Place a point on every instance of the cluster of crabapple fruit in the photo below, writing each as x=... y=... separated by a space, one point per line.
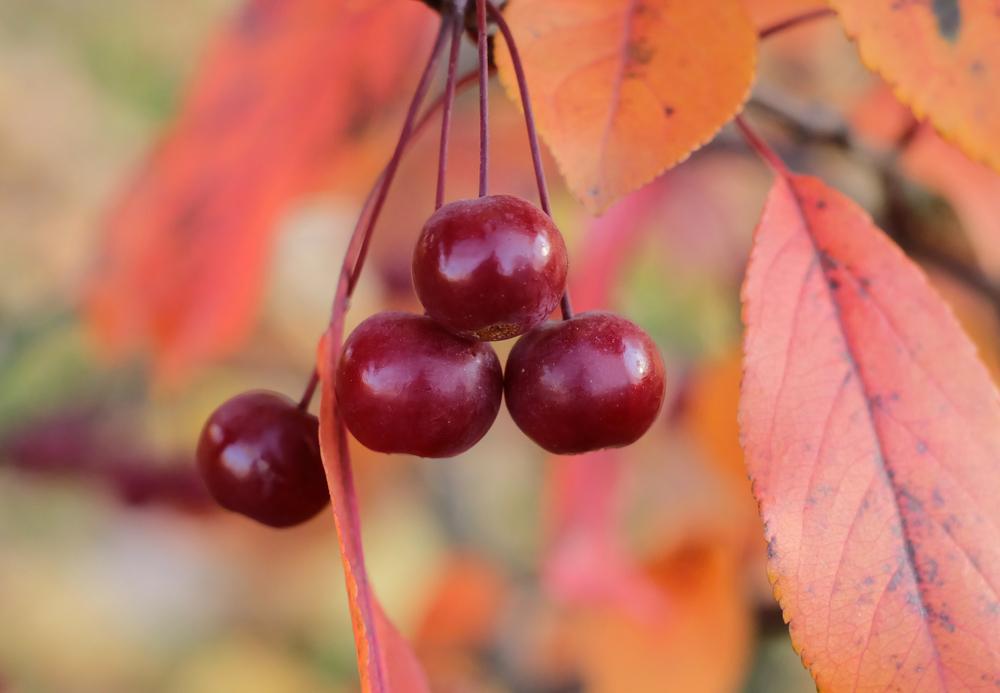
x=484 y=269
x=488 y=269
x=430 y=385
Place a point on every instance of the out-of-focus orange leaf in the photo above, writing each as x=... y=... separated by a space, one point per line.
x=463 y=606
x=972 y=189
x=386 y=663
x=766 y=13
x=700 y=643
x=872 y=435
x=942 y=58
x=279 y=92
x=623 y=90
x=459 y=622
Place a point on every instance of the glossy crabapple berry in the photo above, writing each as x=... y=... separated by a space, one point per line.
x=593 y=381
x=259 y=456
x=490 y=268
x=405 y=384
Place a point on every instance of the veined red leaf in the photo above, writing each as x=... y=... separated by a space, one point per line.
x=281 y=89
x=872 y=436
x=386 y=662
x=624 y=89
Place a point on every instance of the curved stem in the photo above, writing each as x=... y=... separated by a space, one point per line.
x=484 y=111
x=761 y=147
x=393 y=165
x=795 y=21
x=310 y=390
x=529 y=116
x=455 y=23
x=366 y=222
x=529 y=122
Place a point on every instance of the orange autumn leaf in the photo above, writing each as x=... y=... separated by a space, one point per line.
x=386 y=662
x=701 y=642
x=281 y=89
x=972 y=189
x=942 y=58
x=624 y=90
x=872 y=436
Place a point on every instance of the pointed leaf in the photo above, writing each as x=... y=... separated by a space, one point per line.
x=872 y=436
x=280 y=91
x=624 y=89
x=942 y=59
x=386 y=662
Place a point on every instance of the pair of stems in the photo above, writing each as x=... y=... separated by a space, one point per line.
x=452 y=24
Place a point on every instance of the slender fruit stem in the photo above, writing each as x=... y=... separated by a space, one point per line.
x=455 y=23
x=795 y=21
x=367 y=222
x=761 y=147
x=484 y=111
x=393 y=165
x=310 y=390
x=529 y=117
x=529 y=122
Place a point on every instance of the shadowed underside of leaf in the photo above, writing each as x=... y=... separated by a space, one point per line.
x=942 y=57
x=386 y=662
x=624 y=89
x=280 y=91
x=872 y=436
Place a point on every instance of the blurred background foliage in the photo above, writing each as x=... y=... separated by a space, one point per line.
x=116 y=574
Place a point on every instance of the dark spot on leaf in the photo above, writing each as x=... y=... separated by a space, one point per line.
x=977 y=68
x=875 y=401
x=820 y=204
x=594 y=191
x=772 y=549
x=668 y=111
x=639 y=52
x=868 y=581
x=894 y=581
x=936 y=498
x=949 y=18
x=833 y=283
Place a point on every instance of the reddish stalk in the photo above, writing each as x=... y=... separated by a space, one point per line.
x=795 y=21
x=390 y=170
x=366 y=224
x=761 y=147
x=455 y=23
x=529 y=123
x=484 y=111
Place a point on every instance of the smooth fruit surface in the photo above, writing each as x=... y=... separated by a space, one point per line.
x=490 y=268
x=405 y=384
x=259 y=456
x=594 y=381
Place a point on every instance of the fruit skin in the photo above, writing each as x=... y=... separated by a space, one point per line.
x=490 y=268
x=259 y=456
x=594 y=381
x=405 y=384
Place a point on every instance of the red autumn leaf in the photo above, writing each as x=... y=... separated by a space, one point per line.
x=942 y=58
x=623 y=90
x=386 y=662
x=872 y=436
x=281 y=89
